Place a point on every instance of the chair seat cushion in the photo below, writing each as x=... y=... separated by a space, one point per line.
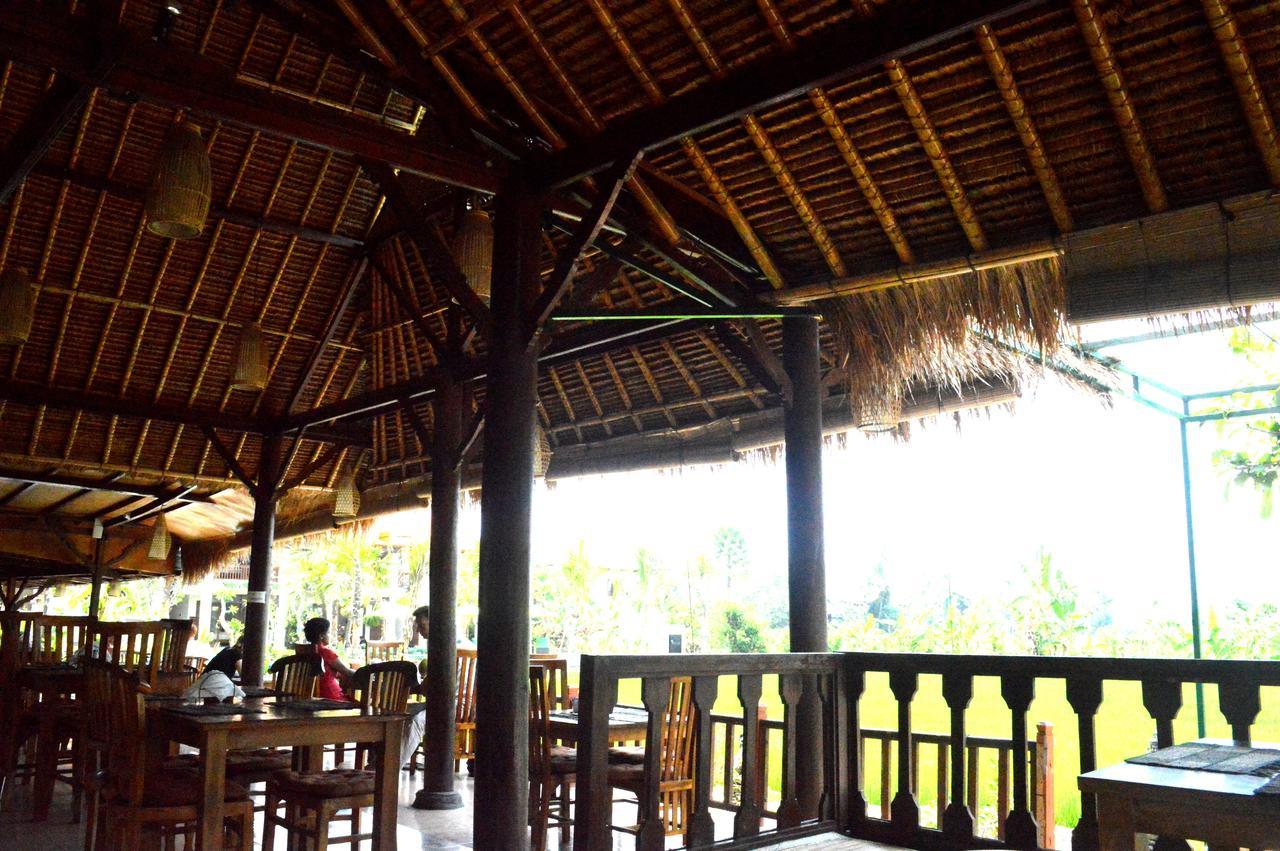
x=626 y=755
x=260 y=761
x=336 y=783
x=627 y=776
x=178 y=787
x=564 y=760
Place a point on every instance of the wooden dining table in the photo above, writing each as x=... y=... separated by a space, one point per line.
x=626 y=724
x=1219 y=809
x=53 y=685
x=268 y=722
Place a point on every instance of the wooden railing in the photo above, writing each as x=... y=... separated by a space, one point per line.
x=836 y=682
x=1161 y=681
x=807 y=683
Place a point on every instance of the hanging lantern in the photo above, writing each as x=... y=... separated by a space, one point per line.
x=879 y=414
x=541 y=452
x=251 y=359
x=159 y=550
x=17 y=306
x=178 y=197
x=473 y=249
x=347 y=505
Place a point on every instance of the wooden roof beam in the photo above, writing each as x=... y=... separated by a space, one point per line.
x=110 y=484
x=836 y=52
x=35 y=395
x=936 y=154
x=428 y=241
x=1257 y=111
x=1026 y=128
x=1126 y=117
x=36 y=36
x=65 y=100
x=354 y=280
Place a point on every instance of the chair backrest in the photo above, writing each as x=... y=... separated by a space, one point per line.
x=465 y=710
x=97 y=697
x=539 y=723
x=384 y=687
x=557 y=668
x=676 y=760
x=56 y=639
x=383 y=651
x=15 y=640
x=127 y=755
x=177 y=632
x=136 y=647
x=195 y=663
x=295 y=676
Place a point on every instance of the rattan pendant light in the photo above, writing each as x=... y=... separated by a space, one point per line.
x=541 y=452
x=347 y=504
x=473 y=249
x=178 y=197
x=251 y=359
x=159 y=550
x=879 y=414
x=17 y=306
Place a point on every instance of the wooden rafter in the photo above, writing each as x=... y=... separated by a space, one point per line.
x=401 y=295
x=836 y=52
x=342 y=305
x=936 y=154
x=1026 y=127
x=1126 y=117
x=39 y=37
x=1240 y=67
x=61 y=105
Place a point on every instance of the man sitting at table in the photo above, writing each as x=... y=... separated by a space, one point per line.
x=416 y=727
x=316 y=632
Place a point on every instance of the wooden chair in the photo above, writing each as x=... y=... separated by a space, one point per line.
x=383 y=651
x=164 y=802
x=557 y=668
x=95 y=733
x=552 y=768
x=675 y=762
x=313 y=800
x=15 y=637
x=136 y=647
x=295 y=676
x=56 y=639
x=464 y=714
x=195 y=663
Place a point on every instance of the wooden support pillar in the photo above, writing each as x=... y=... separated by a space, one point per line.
x=806 y=570
x=264 y=534
x=95 y=587
x=437 y=792
x=502 y=676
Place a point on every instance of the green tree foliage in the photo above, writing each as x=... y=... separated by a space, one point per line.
x=737 y=631
x=1252 y=456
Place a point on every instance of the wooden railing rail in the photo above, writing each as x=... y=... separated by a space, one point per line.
x=801 y=676
x=1161 y=680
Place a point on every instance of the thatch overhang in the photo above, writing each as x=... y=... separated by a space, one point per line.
x=965 y=177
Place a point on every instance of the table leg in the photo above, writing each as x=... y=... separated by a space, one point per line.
x=1115 y=823
x=46 y=761
x=213 y=774
x=386 y=789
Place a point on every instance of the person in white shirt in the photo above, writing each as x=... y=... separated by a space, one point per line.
x=416 y=728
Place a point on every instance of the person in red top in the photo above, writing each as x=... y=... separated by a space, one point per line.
x=316 y=631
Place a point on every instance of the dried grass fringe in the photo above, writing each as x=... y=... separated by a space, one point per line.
x=940 y=333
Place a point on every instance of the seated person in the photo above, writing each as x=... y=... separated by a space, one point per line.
x=316 y=632
x=227 y=660
x=417 y=724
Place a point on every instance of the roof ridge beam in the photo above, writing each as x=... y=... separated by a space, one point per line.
x=41 y=38
x=834 y=53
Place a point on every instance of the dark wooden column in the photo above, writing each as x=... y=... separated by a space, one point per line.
x=437 y=792
x=806 y=570
x=95 y=588
x=264 y=535
x=502 y=675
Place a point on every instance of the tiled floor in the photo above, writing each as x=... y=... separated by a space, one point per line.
x=418 y=830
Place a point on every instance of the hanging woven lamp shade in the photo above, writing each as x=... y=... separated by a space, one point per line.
x=17 y=306
x=541 y=452
x=347 y=505
x=159 y=550
x=251 y=359
x=878 y=414
x=178 y=197
x=473 y=249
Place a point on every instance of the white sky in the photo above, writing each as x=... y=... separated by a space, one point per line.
x=1100 y=488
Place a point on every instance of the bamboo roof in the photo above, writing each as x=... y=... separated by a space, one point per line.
x=1038 y=121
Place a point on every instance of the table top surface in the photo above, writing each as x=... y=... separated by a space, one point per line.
x=266 y=711
x=1128 y=777
x=621 y=717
